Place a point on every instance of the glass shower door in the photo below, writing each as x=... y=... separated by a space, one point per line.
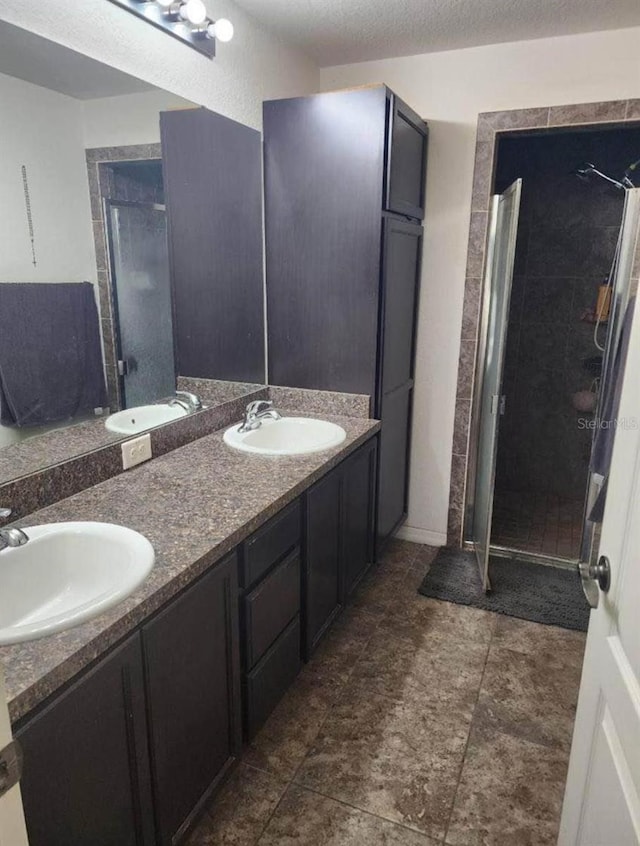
x=140 y=277
x=622 y=291
x=501 y=251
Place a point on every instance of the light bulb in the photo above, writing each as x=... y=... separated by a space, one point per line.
x=222 y=30
x=193 y=11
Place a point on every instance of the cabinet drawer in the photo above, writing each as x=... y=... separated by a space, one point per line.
x=268 y=681
x=270 y=607
x=269 y=544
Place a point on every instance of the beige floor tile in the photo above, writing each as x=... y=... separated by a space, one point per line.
x=239 y=813
x=443 y=668
x=416 y=618
x=528 y=696
x=510 y=793
x=377 y=589
x=282 y=743
x=396 y=759
x=400 y=555
x=304 y=818
x=335 y=658
x=551 y=643
x=422 y=563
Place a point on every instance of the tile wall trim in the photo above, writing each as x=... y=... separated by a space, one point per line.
x=490 y=126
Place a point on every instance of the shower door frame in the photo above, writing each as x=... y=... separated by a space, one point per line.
x=499 y=336
x=490 y=128
x=109 y=205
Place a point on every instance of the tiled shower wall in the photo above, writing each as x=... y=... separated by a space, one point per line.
x=566 y=242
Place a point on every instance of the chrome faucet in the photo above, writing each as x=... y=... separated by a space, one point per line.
x=190 y=402
x=11 y=537
x=256 y=412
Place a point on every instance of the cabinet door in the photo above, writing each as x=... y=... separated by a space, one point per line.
x=213 y=190
x=406 y=160
x=192 y=666
x=86 y=769
x=393 y=465
x=358 y=501
x=400 y=287
x=322 y=588
x=324 y=166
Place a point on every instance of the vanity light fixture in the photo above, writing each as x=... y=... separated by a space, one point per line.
x=184 y=19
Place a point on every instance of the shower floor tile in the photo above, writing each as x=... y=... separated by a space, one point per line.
x=538 y=523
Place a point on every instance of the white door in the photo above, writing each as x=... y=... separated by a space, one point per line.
x=602 y=799
x=12 y=827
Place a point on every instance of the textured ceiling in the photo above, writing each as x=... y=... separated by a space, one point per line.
x=337 y=32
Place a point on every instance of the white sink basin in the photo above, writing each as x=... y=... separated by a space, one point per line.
x=287 y=436
x=67 y=573
x=134 y=420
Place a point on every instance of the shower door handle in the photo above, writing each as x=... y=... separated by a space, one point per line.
x=498 y=404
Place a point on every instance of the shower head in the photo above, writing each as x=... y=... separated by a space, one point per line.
x=586 y=170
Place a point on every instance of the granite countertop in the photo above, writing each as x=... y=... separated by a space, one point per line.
x=194 y=504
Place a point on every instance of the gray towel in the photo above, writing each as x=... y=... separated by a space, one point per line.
x=50 y=354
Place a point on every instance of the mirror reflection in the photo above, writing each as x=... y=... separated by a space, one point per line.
x=88 y=321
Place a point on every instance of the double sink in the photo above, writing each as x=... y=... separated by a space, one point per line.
x=68 y=573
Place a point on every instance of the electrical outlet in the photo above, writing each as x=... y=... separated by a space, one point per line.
x=136 y=451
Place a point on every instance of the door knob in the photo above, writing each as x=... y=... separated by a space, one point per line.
x=594 y=576
x=601 y=573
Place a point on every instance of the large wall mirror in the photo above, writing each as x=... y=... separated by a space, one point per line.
x=130 y=255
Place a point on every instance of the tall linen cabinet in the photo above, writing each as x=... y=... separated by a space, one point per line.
x=344 y=199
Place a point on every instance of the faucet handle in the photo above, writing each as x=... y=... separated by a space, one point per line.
x=258 y=406
x=4 y=513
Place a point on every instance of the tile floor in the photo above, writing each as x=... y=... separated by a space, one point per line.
x=416 y=723
x=537 y=522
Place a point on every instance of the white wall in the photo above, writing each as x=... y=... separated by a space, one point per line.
x=450 y=89
x=253 y=67
x=127 y=119
x=43 y=130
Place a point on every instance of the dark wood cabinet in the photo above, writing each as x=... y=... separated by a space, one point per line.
x=86 y=766
x=270 y=614
x=213 y=187
x=129 y=753
x=339 y=540
x=358 y=515
x=344 y=193
x=394 y=460
x=193 y=685
x=323 y=524
x=406 y=161
x=401 y=273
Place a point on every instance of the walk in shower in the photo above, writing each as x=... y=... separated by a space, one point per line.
x=563 y=226
x=136 y=226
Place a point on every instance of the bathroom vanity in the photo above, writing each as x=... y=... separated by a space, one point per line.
x=130 y=722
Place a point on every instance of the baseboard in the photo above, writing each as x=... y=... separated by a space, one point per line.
x=410 y=533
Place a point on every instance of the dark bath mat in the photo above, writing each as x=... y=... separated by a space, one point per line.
x=535 y=592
